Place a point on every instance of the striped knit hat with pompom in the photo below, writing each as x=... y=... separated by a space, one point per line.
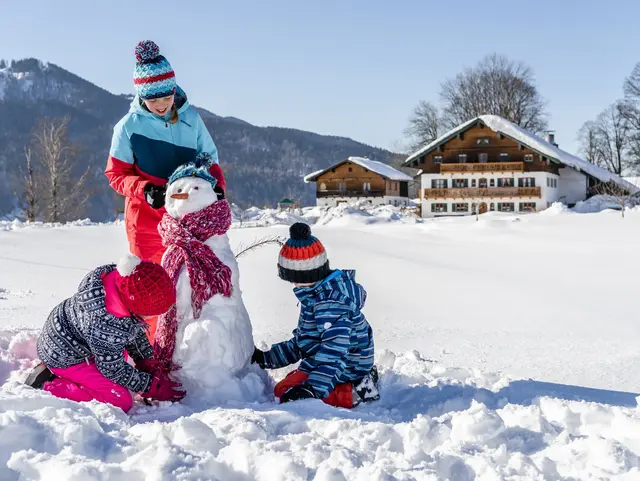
x=303 y=259
x=152 y=75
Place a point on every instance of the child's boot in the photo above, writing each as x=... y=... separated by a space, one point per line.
x=366 y=390
x=38 y=376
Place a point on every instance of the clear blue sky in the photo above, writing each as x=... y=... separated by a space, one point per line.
x=352 y=67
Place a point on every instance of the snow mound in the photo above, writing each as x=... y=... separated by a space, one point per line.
x=356 y=213
x=433 y=422
x=595 y=204
x=17 y=351
x=362 y=213
x=557 y=208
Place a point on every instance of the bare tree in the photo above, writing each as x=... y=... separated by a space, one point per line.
x=474 y=196
x=630 y=109
x=616 y=195
x=425 y=125
x=589 y=143
x=64 y=186
x=497 y=86
x=29 y=198
x=632 y=84
x=613 y=139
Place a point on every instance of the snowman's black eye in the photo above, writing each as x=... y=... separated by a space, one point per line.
x=179 y=190
x=196 y=188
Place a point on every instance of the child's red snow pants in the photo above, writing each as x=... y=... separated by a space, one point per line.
x=341 y=396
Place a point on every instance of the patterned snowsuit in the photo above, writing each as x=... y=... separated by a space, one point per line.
x=333 y=338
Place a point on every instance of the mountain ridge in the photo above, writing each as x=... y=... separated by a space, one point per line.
x=262 y=164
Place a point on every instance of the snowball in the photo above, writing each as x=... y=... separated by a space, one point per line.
x=478 y=425
x=127 y=264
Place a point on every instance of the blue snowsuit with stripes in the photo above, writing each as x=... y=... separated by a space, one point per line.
x=333 y=339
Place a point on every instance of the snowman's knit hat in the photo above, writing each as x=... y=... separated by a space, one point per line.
x=198 y=168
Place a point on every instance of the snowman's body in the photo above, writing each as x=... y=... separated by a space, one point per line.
x=214 y=350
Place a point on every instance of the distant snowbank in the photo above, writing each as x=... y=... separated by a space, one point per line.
x=8 y=225
x=359 y=213
x=347 y=214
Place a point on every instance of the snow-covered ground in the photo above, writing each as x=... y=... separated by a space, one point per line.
x=507 y=347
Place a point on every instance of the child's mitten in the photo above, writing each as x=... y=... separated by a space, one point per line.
x=258 y=358
x=154 y=195
x=164 y=389
x=150 y=366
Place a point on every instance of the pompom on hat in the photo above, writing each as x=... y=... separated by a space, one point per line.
x=145 y=287
x=303 y=259
x=153 y=76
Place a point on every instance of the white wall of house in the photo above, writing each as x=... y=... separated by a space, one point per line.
x=550 y=190
x=573 y=186
x=386 y=200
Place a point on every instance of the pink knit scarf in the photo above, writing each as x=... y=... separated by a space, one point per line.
x=208 y=276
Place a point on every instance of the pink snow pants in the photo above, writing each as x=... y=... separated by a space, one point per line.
x=83 y=382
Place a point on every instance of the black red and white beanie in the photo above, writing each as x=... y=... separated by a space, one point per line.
x=303 y=259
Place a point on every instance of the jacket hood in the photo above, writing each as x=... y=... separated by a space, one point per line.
x=91 y=296
x=338 y=280
x=180 y=99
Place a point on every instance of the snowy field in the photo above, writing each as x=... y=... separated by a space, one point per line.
x=508 y=350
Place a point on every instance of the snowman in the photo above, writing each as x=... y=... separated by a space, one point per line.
x=206 y=339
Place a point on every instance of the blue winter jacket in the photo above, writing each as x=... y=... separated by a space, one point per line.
x=158 y=146
x=333 y=338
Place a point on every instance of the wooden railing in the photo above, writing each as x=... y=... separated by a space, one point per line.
x=478 y=193
x=485 y=167
x=349 y=193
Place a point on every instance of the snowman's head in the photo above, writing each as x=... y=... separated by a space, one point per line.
x=190 y=188
x=187 y=195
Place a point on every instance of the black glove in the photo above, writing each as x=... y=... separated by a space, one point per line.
x=154 y=194
x=258 y=358
x=218 y=190
x=295 y=393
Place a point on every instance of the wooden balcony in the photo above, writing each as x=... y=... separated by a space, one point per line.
x=484 y=167
x=476 y=193
x=349 y=193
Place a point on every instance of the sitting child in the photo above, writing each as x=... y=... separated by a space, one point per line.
x=82 y=345
x=333 y=339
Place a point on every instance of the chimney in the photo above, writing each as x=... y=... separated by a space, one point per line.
x=551 y=137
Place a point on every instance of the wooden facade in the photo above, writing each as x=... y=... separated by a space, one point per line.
x=480 y=149
x=496 y=192
x=348 y=179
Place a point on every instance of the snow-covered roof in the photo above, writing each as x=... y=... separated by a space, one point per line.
x=313 y=175
x=384 y=170
x=532 y=141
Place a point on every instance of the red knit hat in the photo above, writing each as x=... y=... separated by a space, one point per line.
x=145 y=287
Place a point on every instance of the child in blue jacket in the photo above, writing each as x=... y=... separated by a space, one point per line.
x=333 y=340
